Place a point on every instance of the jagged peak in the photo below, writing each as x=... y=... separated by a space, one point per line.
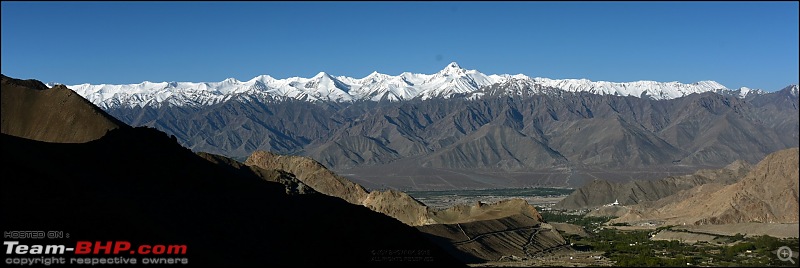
x=230 y=80
x=791 y=89
x=453 y=65
x=452 y=68
x=710 y=83
x=321 y=75
x=375 y=75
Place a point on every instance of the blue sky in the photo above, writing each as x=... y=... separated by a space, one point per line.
x=751 y=44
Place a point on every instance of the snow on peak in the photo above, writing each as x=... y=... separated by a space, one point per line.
x=744 y=92
x=791 y=89
x=707 y=84
x=451 y=81
x=321 y=75
x=374 y=76
x=452 y=69
x=262 y=79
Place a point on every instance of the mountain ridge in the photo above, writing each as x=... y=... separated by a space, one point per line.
x=599 y=193
x=31 y=109
x=451 y=81
x=767 y=193
x=567 y=134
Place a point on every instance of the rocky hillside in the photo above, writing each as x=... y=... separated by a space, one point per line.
x=515 y=236
x=601 y=192
x=481 y=211
x=290 y=182
x=569 y=132
x=396 y=204
x=31 y=110
x=312 y=174
x=767 y=194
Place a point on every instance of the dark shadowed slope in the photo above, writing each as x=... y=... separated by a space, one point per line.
x=139 y=185
x=31 y=110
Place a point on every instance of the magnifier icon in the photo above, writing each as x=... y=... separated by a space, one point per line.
x=785 y=254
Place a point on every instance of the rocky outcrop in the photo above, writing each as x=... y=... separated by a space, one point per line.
x=396 y=204
x=312 y=173
x=292 y=185
x=400 y=206
x=31 y=110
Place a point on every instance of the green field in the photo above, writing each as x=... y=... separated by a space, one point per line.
x=635 y=248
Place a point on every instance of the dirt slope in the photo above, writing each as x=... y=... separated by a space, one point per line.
x=601 y=192
x=767 y=194
x=33 y=111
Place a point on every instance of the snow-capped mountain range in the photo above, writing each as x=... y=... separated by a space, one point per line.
x=446 y=83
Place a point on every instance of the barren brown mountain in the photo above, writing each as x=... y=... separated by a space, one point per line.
x=601 y=192
x=767 y=194
x=32 y=110
x=495 y=141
